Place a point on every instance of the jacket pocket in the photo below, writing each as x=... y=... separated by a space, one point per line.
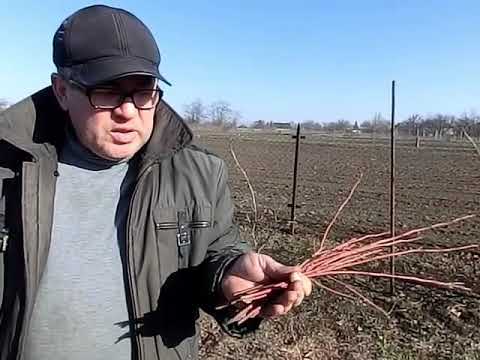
x=183 y=228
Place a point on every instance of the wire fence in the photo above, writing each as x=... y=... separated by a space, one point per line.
x=435 y=182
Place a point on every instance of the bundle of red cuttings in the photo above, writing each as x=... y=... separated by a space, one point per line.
x=341 y=260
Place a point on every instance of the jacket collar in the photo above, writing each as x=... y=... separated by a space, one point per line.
x=39 y=121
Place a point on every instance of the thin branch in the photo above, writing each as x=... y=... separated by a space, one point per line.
x=252 y=192
x=333 y=291
x=325 y=234
x=451 y=285
x=472 y=141
x=359 y=294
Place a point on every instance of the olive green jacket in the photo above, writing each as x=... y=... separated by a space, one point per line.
x=180 y=235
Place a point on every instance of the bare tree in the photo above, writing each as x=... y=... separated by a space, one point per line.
x=412 y=124
x=259 y=124
x=440 y=123
x=195 y=112
x=221 y=114
x=412 y=127
x=342 y=124
x=233 y=121
x=380 y=124
x=376 y=125
x=469 y=122
x=366 y=126
x=339 y=125
x=311 y=125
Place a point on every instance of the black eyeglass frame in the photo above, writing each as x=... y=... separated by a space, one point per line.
x=88 y=92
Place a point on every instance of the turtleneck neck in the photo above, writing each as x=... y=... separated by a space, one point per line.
x=74 y=153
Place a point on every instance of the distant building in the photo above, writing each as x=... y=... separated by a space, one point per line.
x=281 y=125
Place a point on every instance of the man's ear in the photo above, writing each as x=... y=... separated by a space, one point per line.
x=60 y=89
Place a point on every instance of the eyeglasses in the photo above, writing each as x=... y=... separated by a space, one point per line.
x=108 y=98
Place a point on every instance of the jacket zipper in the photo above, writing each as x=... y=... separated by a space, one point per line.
x=171 y=225
x=131 y=284
x=199 y=224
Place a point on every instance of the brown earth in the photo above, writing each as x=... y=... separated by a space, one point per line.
x=438 y=182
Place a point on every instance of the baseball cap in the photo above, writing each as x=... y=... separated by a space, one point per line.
x=99 y=43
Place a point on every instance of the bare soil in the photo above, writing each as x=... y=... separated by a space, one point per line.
x=438 y=182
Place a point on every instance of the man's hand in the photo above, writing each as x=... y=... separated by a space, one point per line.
x=251 y=269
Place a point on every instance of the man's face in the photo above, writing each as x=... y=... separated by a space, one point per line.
x=117 y=133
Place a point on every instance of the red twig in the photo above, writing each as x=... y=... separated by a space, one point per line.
x=450 y=285
x=325 y=234
x=360 y=295
x=343 y=259
x=333 y=291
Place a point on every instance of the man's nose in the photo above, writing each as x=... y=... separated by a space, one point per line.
x=127 y=109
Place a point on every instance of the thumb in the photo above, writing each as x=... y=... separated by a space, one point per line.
x=275 y=270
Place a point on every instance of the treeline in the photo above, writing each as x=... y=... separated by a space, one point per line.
x=437 y=125
x=219 y=113
x=441 y=125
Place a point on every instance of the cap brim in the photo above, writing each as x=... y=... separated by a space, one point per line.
x=112 y=68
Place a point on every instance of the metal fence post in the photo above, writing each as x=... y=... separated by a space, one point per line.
x=392 y=190
x=294 y=205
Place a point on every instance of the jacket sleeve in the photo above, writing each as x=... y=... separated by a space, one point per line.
x=226 y=246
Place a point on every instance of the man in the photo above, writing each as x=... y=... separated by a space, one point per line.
x=117 y=229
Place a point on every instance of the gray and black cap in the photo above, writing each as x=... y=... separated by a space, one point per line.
x=99 y=43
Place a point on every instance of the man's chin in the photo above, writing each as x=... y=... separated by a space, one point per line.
x=120 y=152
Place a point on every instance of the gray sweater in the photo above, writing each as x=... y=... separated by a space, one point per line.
x=81 y=298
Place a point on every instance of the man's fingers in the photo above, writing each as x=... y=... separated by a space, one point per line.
x=307 y=284
x=252 y=268
x=302 y=284
x=282 y=303
x=275 y=270
x=289 y=300
x=272 y=310
x=297 y=287
x=300 y=297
